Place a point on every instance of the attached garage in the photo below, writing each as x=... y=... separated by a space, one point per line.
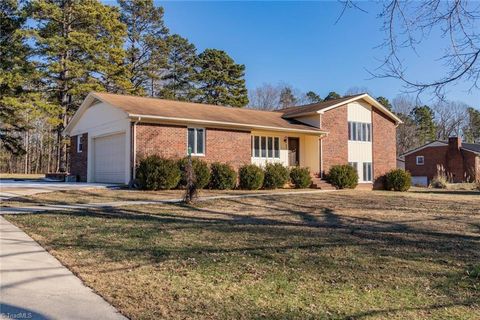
x=109 y=158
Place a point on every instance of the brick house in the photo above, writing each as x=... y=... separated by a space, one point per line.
x=459 y=161
x=110 y=133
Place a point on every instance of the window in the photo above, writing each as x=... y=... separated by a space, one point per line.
x=79 y=143
x=420 y=160
x=256 y=146
x=367 y=171
x=276 y=147
x=354 y=165
x=266 y=147
x=196 y=141
x=359 y=131
x=270 y=147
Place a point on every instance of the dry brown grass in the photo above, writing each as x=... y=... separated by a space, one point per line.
x=342 y=255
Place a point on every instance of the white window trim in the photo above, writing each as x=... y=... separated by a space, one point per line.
x=360 y=135
x=79 y=142
x=266 y=143
x=417 y=162
x=195 y=141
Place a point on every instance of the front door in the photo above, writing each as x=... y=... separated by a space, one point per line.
x=293 y=151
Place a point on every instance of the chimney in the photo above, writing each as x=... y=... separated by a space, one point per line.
x=454 y=143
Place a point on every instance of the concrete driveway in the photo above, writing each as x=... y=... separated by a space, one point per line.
x=15 y=188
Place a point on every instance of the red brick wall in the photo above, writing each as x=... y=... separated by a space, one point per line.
x=164 y=140
x=471 y=165
x=384 y=145
x=221 y=145
x=78 y=160
x=335 y=145
x=461 y=165
x=433 y=156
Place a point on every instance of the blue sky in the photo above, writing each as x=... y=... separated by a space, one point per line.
x=300 y=44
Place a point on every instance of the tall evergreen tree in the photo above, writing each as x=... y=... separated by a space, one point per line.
x=312 y=97
x=178 y=76
x=287 y=98
x=80 y=44
x=220 y=80
x=384 y=102
x=20 y=104
x=423 y=116
x=472 y=130
x=332 y=95
x=14 y=72
x=146 y=42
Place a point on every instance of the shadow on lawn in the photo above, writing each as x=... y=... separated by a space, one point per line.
x=128 y=234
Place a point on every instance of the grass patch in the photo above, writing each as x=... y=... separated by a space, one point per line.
x=342 y=255
x=21 y=176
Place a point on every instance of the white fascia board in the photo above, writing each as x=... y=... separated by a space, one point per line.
x=225 y=124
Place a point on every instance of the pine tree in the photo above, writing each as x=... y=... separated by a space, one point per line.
x=384 y=102
x=14 y=70
x=80 y=45
x=423 y=117
x=178 y=76
x=146 y=42
x=312 y=97
x=287 y=98
x=220 y=80
x=332 y=95
x=472 y=129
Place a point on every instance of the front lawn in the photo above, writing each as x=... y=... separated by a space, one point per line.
x=341 y=255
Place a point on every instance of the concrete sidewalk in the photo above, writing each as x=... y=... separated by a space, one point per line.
x=34 y=285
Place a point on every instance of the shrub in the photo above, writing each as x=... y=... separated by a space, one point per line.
x=156 y=173
x=439 y=182
x=276 y=175
x=300 y=177
x=398 y=180
x=222 y=176
x=343 y=177
x=202 y=172
x=251 y=177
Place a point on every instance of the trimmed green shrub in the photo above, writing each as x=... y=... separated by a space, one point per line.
x=222 y=176
x=343 y=177
x=300 y=177
x=156 y=173
x=398 y=180
x=202 y=172
x=276 y=175
x=250 y=177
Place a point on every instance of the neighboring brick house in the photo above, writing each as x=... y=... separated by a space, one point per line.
x=117 y=130
x=459 y=162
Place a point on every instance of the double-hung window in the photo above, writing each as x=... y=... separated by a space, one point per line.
x=79 y=143
x=420 y=160
x=359 y=131
x=196 y=141
x=265 y=147
x=367 y=171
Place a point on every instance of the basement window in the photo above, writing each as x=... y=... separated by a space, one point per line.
x=79 y=143
x=420 y=160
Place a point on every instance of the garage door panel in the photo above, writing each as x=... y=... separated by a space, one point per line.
x=109 y=163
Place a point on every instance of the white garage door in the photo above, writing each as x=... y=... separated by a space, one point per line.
x=109 y=163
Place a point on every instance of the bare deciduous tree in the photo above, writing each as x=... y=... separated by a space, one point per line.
x=408 y=24
x=265 y=97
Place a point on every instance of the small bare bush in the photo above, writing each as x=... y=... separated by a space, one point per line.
x=441 y=178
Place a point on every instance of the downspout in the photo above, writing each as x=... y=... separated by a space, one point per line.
x=134 y=146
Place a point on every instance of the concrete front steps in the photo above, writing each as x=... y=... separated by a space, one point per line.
x=318 y=183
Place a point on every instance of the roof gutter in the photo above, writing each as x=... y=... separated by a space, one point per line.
x=227 y=124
